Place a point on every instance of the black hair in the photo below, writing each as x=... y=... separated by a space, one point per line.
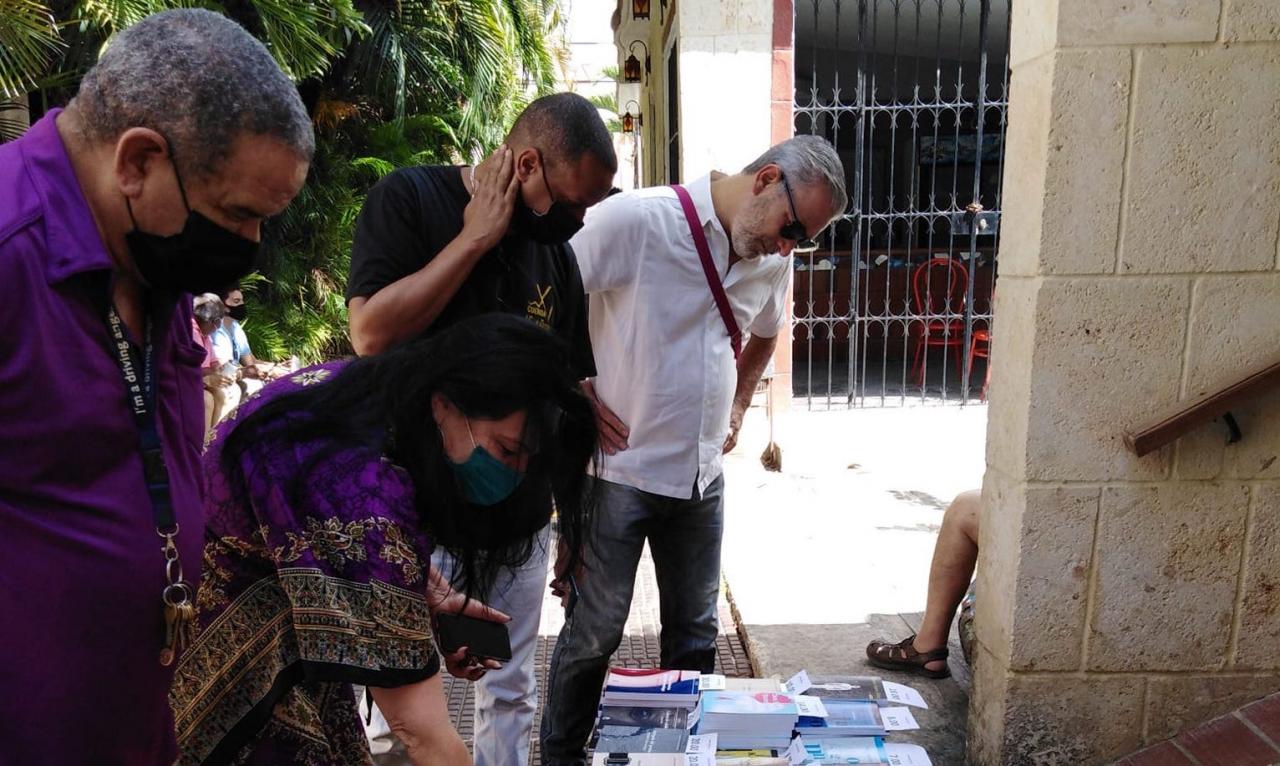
x=489 y=367
x=566 y=126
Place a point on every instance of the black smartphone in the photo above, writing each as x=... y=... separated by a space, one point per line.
x=482 y=638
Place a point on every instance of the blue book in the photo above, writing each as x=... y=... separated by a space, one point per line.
x=845 y=718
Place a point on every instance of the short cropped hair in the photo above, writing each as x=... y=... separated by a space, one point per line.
x=566 y=126
x=200 y=80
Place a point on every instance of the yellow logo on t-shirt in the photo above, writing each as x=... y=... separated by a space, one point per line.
x=541 y=311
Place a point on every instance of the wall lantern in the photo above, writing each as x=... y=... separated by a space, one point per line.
x=631 y=68
x=639 y=9
x=629 y=121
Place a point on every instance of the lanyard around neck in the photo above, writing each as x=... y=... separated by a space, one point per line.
x=177 y=597
x=140 y=384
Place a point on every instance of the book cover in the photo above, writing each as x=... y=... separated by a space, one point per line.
x=846 y=750
x=648 y=717
x=646 y=681
x=865 y=751
x=640 y=739
x=864 y=688
x=748 y=704
x=845 y=716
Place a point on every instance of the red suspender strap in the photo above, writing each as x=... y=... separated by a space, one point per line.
x=709 y=268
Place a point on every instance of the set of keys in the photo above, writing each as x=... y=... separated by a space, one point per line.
x=179 y=606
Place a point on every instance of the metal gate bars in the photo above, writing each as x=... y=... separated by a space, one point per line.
x=895 y=307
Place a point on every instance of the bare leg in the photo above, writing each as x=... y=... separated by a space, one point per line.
x=211 y=408
x=954 y=556
x=418 y=715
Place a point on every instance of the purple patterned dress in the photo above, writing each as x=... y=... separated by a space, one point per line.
x=301 y=597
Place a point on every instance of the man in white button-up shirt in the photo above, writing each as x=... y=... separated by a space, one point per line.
x=665 y=365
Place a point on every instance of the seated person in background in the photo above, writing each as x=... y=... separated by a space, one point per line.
x=232 y=347
x=209 y=313
x=954 y=556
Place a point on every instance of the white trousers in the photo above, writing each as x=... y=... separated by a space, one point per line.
x=505 y=699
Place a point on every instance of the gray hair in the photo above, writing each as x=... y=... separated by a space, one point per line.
x=199 y=79
x=208 y=307
x=806 y=161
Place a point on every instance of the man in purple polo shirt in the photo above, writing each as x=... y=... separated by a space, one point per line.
x=152 y=184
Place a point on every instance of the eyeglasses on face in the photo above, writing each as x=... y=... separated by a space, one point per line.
x=794 y=230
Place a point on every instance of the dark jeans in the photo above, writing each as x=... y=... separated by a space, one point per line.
x=684 y=538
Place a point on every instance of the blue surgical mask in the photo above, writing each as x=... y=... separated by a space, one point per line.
x=484 y=479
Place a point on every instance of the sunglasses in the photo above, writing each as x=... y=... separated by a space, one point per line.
x=794 y=230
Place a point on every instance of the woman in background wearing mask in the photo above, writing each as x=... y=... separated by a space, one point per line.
x=325 y=496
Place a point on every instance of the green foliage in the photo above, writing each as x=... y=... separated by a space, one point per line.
x=305 y=37
x=29 y=44
x=608 y=102
x=299 y=306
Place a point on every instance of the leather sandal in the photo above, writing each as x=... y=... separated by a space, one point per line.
x=903 y=656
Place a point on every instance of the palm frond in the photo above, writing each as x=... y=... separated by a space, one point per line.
x=111 y=16
x=305 y=37
x=379 y=166
x=29 y=44
x=15 y=118
x=606 y=101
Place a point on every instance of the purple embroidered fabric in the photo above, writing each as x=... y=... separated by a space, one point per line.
x=308 y=587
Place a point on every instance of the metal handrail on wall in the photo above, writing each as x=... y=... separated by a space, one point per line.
x=1190 y=415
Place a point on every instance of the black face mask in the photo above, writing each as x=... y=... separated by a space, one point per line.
x=202 y=258
x=238 y=313
x=554 y=227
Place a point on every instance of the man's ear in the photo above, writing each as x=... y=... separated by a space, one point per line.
x=138 y=152
x=526 y=163
x=765 y=177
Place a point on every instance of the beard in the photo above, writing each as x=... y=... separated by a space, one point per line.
x=748 y=240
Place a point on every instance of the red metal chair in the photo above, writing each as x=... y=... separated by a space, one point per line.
x=981 y=346
x=938 y=330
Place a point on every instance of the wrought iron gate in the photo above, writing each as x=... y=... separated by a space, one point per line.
x=896 y=306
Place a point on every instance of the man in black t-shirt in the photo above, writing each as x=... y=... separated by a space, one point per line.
x=437 y=244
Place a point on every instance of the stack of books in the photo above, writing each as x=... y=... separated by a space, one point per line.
x=745 y=720
x=641 y=730
x=668 y=717
x=632 y=687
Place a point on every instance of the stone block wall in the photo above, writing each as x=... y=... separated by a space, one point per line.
x=1123 y=599
x=726 y=66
